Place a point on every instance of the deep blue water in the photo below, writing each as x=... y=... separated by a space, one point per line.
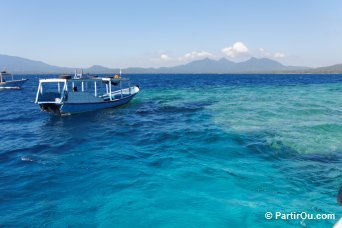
x=188 y=151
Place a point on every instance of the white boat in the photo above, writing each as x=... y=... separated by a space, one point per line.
x=66 y=95
x=7 y=81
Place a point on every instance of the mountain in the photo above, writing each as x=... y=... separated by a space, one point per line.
x=97 y=68
x=263 y=64
x=204 y=66
x=21 y=65
x=221 y=66
x=253 y=65
x=334 y=69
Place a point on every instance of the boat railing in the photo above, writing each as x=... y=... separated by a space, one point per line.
x=47 y=96
x=4 y=74
x=121 y=93
x=67 y=90
x=79 y=97
x=52 y=97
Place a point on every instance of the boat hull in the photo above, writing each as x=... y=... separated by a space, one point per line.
x=65 y=102
x=72 y=108
x=15 y=84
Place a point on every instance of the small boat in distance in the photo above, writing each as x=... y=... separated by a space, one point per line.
x=66 y=95
x=7 y=81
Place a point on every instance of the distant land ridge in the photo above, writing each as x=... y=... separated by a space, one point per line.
x=20 y=65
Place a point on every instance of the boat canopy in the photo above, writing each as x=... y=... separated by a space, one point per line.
x=93 y=79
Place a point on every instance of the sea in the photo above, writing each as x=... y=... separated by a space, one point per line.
x=187 y=151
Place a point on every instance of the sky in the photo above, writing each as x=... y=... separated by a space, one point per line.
x=154 y=33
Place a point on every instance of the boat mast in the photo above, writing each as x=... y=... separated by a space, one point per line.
x=39 y=91
x=121 y=87
x=120 y=84
x=110 y=89
x=95 y=88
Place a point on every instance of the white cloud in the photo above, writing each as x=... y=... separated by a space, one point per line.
x=164 y=57
x=238 y=49
x=279 y=55
x=264 y=53
x=195 y=55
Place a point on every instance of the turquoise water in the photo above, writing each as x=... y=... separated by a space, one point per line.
x=188 y=151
